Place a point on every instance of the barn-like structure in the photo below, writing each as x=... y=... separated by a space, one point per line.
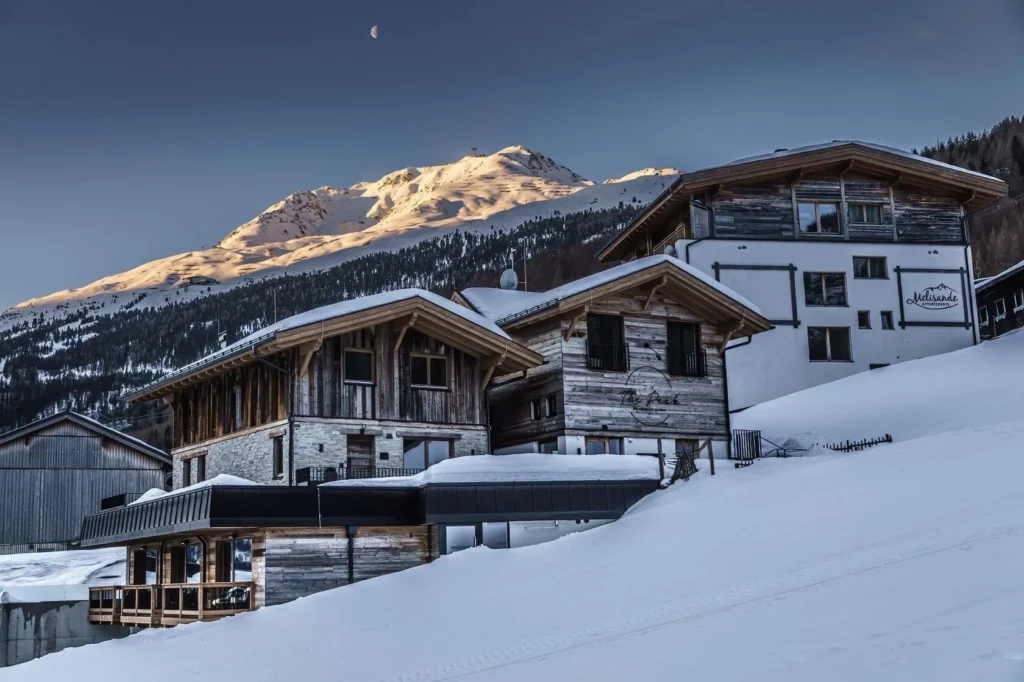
x=56 y=471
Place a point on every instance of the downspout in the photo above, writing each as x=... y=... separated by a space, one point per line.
x=291 y=411
x=725 y=378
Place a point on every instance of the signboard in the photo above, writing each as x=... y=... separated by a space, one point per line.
x=647 y=394
x=932 y=297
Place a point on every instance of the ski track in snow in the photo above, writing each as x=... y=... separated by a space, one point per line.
x=703 y=604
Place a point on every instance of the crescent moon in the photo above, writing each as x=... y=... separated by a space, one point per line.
x=373 y=32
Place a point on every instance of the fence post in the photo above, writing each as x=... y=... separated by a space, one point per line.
x=711 y=456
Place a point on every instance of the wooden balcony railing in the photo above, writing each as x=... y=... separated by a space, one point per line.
x=155 y=605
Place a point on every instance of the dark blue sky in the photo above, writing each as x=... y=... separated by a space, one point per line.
x=133 y=130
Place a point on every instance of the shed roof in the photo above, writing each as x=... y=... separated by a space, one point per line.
x=92 y=425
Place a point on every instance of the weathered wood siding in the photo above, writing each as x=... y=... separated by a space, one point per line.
x=767 y=211
x=598 y=399
x=299 y=563
x=512 y=420
x=52 y=479
x=242 y=399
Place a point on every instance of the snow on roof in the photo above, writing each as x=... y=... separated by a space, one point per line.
x=504 y=306
x=51 y=569
x=328 y=312
x=523 y=468
x=220 y=479
x=870 y=145
x=985 y=282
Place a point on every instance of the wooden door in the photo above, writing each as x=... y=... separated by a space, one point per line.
x=360 y=452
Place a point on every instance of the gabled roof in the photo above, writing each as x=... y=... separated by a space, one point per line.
x=429 y=313
x=681 y=281
x=978 y=190
x=92 y=425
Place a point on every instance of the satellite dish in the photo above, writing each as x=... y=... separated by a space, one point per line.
x=509 y=280
x=670 y=250
x=373 y=32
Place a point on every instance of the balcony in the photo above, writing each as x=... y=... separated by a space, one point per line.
x=609 y=357
x=166 y=605
x=689 y=364
x=316 y=475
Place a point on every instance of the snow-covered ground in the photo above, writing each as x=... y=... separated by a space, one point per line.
x=317 y=229
x=33 y=577
x=973 y=387
x=901 y=562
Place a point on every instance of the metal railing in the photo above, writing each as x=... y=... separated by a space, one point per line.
x=611 y=357
x=318 y=475
x=691 y=364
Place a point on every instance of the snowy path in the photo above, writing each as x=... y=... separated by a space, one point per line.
x=899 y=563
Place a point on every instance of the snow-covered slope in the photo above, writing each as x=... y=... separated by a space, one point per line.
x=312 y=230
x=896 y=563
x=969 y=388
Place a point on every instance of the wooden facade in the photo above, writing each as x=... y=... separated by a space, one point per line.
x=912 y=200
x=642 y=400
x=1001 y=302
x=279 y=565
x=72 y=459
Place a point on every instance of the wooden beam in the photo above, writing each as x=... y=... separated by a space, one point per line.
x=401 y=334
x=895 y=181
x=572 y=325
x=307 y=350
x=488 y=373
x=654 y=290
x=732 y=332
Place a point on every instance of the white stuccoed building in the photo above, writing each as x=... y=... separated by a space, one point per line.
x=859 y=254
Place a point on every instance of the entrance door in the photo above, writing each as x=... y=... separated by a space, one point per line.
x=360 y=455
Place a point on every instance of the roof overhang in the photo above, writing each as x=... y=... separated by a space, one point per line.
x=498 y=351
x=975 y=191
x=231 y=507
x=672 y=282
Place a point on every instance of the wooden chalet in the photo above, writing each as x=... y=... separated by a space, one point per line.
x=633 y=361
x=1001 y=302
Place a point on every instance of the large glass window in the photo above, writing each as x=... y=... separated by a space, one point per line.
x=829 y=344
x=193 y=563
x=358 y=366
x=825 y=288
x=604 y=446
x=429 y=370
x=819 y=218
x=420 y=454
x=242 y=563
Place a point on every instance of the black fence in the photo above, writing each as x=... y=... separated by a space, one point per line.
x=746 y=445
x=611 y=357
x=121 y=500
x=854 y=445
x=318 y=475
x=692 y=364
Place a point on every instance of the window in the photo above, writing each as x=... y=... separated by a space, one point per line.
x=1018 y=300
x=864 y=319
x=548 y=447
x=685 y=356
x=983 y=316
x=186 y=473
x=877 y=365
x=429 y=371
x=819 y=218
x=825 y=288
x=866 y=214
x=535 y=412
x=606 y=343
x=144 y=563
x=870 y=267
x=552 y=405
x=234 y=560
x=1000 y=309
x=420 y=454
x=887 y=320
x=604 y=446
x=829 y=344
x=200 y=468
x=193 y=563
x=278 y=442
x=358 y=366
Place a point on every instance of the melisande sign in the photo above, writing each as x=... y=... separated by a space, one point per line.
x=938 y=297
